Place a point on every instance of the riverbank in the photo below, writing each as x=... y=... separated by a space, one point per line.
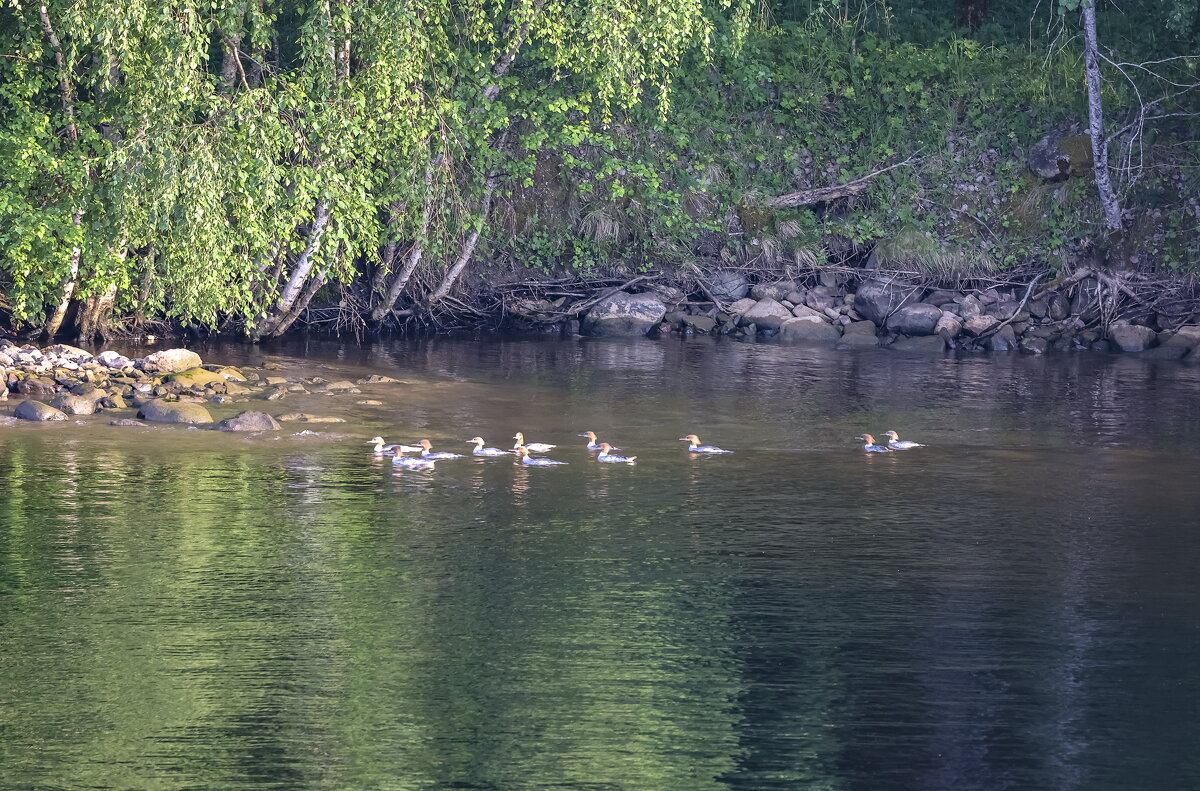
x=172 y=386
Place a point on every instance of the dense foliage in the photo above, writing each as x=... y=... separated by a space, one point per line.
x=226 y=164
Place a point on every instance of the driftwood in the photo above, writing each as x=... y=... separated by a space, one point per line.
x=795 y=200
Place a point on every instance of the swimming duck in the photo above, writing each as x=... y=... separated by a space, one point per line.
x=871 y=447
x=426 y=453
x=523 y=455
x=895 y=443
x=593 y=444
x=534 y=447
x=695 y=446
x=613 y=458
x=482 y=451
x=381 y=448
x=411 y=463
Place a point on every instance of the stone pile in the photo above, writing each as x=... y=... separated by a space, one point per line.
x=170 y=386
x=880 y=312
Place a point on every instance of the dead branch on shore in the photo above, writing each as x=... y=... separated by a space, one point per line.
x=794 y=200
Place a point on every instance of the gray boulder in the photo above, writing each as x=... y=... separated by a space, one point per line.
x=1059 y=154
x=37 y=411
x=858 y=334
x=1033 y=345
x=767 y=313
x=1004 y=340
x=948 y=326
x=1132 y=337
x=172 y=361
x=774 y=291
x=74 y=404
x=623 y=315
x=978 y=324
x=916 y=319
x=878 y=299
x=700 y=323
x=159 y=411
x=248 y=421
x=111 y=359
x=811 y=331
x=127 y=421
x=729 y=286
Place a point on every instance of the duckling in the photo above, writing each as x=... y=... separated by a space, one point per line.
x=523 y=455
x=592 y=443
x=482 y=451
x=695 y=447
x=613 y=458
x=534 y=447
x=426 y=453
x=895 y=443
x=397 y=449
x=871 y=447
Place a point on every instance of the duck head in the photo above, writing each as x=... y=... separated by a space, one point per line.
x=604 y=446
x=475 y=441
x=590 y=435
x=867 y=438
x=893 y=436
x=376 y=440
x=521 y=451
x=426 y=444
x=692 y=438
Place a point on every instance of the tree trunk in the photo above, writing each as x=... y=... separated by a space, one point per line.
x=95 y=316
x=381 y=311
x=68 y=286
x=67 y=95
x=468 y=248
x=300 y=271
x=1091 y=61
x=147 y=283
x=289 y=318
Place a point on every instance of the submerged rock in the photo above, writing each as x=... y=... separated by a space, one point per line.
x=37 y=411
x=74 y=404
x=127 y=421
x=159 y=411
x=858 y=334
x=1132 y=337
x=809 y=330
x=922 y=344
x=623 y=315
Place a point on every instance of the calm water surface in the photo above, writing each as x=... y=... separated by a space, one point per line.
x=1014 y=607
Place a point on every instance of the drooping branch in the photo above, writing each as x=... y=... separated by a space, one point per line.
x=500 y=69
x=468 y=248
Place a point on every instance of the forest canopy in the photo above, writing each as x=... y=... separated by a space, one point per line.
x=233 y=164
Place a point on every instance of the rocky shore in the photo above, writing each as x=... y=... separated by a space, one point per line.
x=170 y=386
x=846 y=312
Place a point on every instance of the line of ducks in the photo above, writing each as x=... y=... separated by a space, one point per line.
x=521 y=449
x=894 y=443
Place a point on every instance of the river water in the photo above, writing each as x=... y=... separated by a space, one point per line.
x=1013 y=607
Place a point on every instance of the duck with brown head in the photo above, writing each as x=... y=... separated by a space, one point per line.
x=870 y=446
x=895 y=443
x=695 y=447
